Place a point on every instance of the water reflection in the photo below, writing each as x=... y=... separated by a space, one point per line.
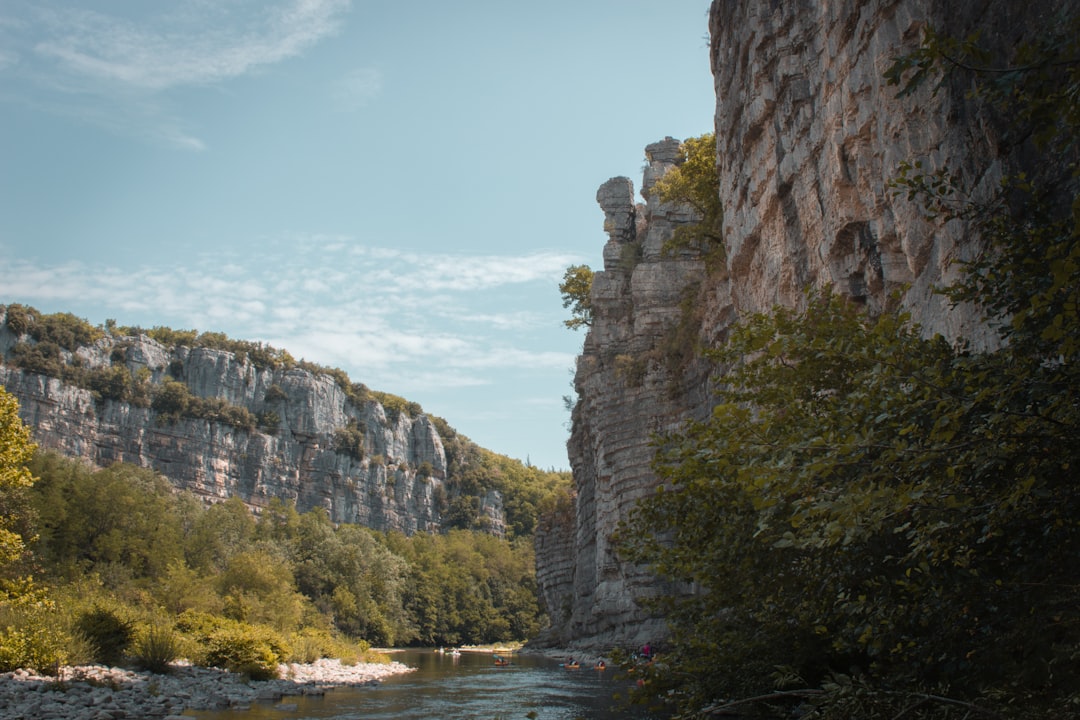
x=465 y=686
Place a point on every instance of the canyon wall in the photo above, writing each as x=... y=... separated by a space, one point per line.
x=396 y=481
x=809 y=135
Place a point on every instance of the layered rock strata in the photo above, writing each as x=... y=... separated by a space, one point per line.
x=631 y=382
x=396 y=481
x=810 y=134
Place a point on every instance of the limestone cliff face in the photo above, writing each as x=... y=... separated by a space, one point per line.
x=808 y=136
x=632 y=382
x=295 y=460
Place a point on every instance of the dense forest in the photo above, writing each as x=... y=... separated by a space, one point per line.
x=117 y=563
x=876 y=523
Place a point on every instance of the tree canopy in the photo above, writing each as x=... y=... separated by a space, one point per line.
x=576 y=289
x=16 y=449
x=696 y=183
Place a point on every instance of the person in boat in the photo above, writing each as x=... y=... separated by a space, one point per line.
x=601 y=665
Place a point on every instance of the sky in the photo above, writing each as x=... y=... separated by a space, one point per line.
x=389 y=187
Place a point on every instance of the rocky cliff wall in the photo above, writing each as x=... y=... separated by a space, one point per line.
x=296 y=460
x=808 y=136
x=632 y=381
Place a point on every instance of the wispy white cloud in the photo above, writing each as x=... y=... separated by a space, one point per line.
x=370 y=309
x=182 y=46
x=117 y=72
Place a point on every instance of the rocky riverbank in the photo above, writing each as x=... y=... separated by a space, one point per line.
x=95 y=692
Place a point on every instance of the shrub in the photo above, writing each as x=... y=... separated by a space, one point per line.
x=274 y=393
x=66 y=330
x=349 y=440
x=109 y=634
x=156 y=646
x=20 y=318
x=253 y=650
x=248 y=649
x=31 y=638
x=269 y=421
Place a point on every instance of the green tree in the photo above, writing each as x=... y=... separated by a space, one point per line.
x=120 y=521
x=696 y=183
x=576 y=289
x=16 y=450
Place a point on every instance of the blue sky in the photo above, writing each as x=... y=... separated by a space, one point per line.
x=389 y=187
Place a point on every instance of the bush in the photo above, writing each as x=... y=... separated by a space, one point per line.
x=157 y=646
x=20 y=318
x=248 y=649
x=253 y=650
x=109 y=634
x=31 y=638
x=349 y=440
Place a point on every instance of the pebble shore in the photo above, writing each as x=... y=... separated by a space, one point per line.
x=96 y=692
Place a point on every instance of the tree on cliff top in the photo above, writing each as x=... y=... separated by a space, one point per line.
x=696 y=183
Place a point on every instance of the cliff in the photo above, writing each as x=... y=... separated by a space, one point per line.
x=808 y=136
x=394 y=476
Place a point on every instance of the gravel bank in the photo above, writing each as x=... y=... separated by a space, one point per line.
x=95 y=692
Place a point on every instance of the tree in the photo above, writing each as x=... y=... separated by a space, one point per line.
x=696 y=183
x=576 y=289
x=16 y=449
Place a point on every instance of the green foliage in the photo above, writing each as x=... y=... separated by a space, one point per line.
x=120 y=539
x=156 y=646
x=46 y=358
x=258 y=587
x=173 y=401
x=576 y=290
x=16 y=450
x=65 y=330
x=109 y=633
x=31 y=635
x=396 y=406
x=473 y=471
x=881 y=485
x=19 y=318
x=467 y=587
x=695 y=182
x=349 y=440
x=239 y=647
x=275 y=394
x=310 y=644
x=121 y=517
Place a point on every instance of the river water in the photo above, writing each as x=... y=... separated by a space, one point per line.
x=468 y=686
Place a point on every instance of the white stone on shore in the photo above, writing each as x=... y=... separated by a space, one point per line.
x=95 y=692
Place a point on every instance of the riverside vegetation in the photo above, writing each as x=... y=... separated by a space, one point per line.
x=878 y=524
x=114 y=565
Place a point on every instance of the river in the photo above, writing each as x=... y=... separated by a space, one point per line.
x=445 y=687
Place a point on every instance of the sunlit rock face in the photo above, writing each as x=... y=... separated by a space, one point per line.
x=296 y=460
x=629 y=386
x=809 y=135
